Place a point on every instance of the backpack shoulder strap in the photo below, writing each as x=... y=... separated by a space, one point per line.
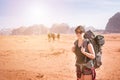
x=85 y=43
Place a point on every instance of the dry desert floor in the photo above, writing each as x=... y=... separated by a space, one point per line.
x=34 y=58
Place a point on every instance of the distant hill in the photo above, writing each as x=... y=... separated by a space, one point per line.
x=6 y=31
x=90 y=28
x=41 y=29
x=36 y=30
x=61 y=28
x=31 y=30
x=18 y=31
x=113 y=25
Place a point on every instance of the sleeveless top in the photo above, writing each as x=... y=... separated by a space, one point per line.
x=80 y=57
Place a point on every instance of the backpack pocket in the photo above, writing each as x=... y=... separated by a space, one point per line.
x=89 y=64
x=97 y=60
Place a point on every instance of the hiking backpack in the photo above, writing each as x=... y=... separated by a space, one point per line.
x=97 y=41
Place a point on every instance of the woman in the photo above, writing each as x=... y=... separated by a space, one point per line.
x=82 y=71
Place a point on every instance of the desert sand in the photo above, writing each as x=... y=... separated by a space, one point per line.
x=34 y=58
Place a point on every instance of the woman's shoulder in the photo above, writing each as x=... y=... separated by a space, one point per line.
x=75 y=42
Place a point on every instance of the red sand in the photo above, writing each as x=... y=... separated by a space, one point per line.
x=34 y=58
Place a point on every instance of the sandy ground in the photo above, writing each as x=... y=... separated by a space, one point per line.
x=34 y=58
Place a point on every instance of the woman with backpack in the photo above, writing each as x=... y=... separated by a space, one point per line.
x=84 y=55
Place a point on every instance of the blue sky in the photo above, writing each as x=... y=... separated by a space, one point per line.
x=16 y=13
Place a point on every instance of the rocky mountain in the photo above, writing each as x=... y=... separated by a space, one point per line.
x=18 y=31
x=60 y=28
x=113 y=25
x=5 y=31
x=90 y=28
x=36 y=30
x=31 y=30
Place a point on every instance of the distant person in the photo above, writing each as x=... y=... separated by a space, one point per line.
x=49 y=37
x=83 y=70
x=53 y=36
x=58 y=36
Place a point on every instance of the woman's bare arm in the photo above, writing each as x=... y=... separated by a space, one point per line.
x=91 y=53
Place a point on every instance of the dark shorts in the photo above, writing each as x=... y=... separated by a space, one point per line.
x=85 y=71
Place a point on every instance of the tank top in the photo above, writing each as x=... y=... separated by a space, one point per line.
x=80 y=57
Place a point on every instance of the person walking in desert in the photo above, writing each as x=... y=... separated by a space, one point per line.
x=83 y=71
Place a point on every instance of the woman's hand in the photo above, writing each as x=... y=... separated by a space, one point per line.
x=83 y=50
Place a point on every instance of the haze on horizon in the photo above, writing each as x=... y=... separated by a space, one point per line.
x=14 y=13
